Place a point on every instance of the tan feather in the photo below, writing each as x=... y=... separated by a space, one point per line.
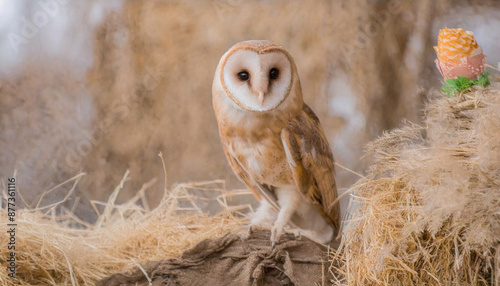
x=311 y=161
x=259 y=191
x=242 y=174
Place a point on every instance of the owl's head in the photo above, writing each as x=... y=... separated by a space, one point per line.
x=256 y=75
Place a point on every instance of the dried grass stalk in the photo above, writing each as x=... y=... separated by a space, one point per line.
x=430 y=207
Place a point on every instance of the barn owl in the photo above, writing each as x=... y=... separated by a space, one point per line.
x=274 y=142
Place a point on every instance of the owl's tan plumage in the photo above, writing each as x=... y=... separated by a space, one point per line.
x=273 y=141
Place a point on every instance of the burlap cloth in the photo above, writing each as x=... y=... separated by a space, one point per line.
x=230 y=260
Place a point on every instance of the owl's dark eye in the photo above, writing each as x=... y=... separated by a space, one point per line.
x=274 y=73
x=243 y=75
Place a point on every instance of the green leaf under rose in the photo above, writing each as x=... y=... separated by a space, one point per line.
x=454 y=86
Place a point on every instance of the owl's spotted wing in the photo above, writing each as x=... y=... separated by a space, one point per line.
x=259 y=191
x=311 y=161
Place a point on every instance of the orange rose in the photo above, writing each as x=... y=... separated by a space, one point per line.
x=459 y=54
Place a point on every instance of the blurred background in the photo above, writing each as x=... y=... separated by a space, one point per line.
x=102 y=86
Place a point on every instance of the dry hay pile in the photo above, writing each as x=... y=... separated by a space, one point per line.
x=56 y=248
x=429 y=212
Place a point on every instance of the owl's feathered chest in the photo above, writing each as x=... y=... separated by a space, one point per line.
x=259 y=150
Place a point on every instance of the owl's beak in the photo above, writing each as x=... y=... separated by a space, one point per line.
x=261 y=98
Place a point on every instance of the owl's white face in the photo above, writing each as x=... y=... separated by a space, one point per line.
x=257 y=81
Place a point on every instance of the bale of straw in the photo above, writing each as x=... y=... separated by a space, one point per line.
x=54 y=247
x=430 y=206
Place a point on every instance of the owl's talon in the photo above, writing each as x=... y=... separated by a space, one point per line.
x=298 y=235
x=248 y=234
x=276 y=233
